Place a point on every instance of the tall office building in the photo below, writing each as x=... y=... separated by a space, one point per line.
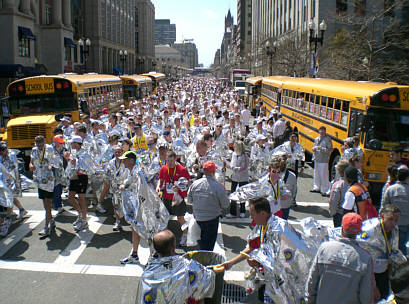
x=165 y=32
x=145 y=36
x=244 y=22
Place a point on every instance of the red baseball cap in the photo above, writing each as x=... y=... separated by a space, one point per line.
x=105 y=110
x=59 y=139
x=209 y=166
x=352 y=223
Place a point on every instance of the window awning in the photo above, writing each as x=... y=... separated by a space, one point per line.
x=69 y=42
x=26 y=33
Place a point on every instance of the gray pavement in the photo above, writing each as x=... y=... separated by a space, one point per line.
x=85 y=268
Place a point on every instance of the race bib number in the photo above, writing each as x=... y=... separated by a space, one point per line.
x=169 y=188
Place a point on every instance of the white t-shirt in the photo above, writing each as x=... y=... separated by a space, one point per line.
x=245 y=114
x=349 y=202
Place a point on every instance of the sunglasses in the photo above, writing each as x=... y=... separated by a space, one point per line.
x=150 y=145
x=275 y=171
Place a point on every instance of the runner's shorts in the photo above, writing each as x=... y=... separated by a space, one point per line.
x=42 y=194
x=179 y=210
x=79 y=185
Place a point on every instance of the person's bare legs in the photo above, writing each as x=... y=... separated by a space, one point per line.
x=18 y=204
x=83 y=205
x=103 y=193
x=47 y=208
x=73 y=201
x=136 y=239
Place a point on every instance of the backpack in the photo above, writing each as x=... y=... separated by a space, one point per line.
x=362 y=194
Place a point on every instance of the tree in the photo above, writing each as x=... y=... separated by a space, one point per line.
x=291 y=55
x=372 y=44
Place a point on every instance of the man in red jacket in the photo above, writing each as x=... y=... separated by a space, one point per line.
x=168 y=175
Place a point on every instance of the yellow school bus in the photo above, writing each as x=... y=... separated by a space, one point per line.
x=34 y=103
x=252 y=93
x=378 y=113
x=135 y=87
x=156 y=79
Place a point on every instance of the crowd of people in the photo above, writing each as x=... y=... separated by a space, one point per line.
x=179 y=148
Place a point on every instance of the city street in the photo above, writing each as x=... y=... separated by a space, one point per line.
x=85 y=268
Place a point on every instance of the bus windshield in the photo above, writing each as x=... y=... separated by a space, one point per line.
x=42 y=103
x=390 y=127
x=240 y=84
x=129 y=91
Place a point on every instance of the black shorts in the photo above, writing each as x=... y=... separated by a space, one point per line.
x=179 y=210
x=79 y=185
x=42 y=194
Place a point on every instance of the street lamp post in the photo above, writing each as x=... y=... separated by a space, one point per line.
x=314 y=39
x=153 y=65
x=122 y=58
x=270 y=51
x=85 y=44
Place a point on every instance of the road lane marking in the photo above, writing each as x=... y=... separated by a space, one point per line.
x=105 y=270
x=310 y=204
x=79 y=243
x=15 y=236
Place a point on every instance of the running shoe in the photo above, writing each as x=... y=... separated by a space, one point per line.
x=117 y=226
x=100 y=209
x=82 y=225
x=131 y=259
x=44 y=233
x=22 y=214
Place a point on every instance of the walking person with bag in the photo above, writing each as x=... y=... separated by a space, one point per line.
x=357 y=198
x=240 y=177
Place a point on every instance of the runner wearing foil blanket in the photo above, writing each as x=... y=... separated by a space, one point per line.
x=342 y=271
x=42 y=163
x=260 y=213
x=8 y=159
x=171 y=278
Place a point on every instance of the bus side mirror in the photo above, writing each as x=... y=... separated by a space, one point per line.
x=375 y=144
x=58 y=117
x=366 y=123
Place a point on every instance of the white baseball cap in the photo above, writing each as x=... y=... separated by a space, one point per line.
x=76 y=139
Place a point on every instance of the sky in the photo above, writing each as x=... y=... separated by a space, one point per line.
x=201 y=20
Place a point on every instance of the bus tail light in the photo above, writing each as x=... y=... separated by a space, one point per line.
x=58 y=85
x=387 y=98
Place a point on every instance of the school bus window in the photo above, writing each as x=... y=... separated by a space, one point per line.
x=330 y=106
x=344 y=112
x=337 y=110
x=323 y=106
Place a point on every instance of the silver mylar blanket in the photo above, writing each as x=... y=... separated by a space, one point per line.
x=287 y=254
x=173 y=279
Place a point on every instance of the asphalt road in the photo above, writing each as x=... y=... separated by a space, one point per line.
x=84 y=268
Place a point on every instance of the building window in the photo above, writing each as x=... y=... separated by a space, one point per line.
x=75 y=54
x=136 y=17
x=137 y=42
x=47 y=14
x=103 y=19
x=341 y=7
x=1 y=4
x=67 y=49
x=23 y=46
